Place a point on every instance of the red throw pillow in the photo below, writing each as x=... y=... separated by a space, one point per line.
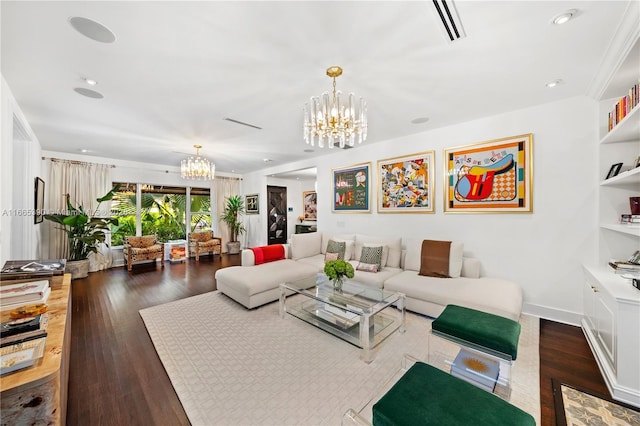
x=265 y=254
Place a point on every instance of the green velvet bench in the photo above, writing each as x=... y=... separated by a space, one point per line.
x=485 y=337
x=491 y=334
x=425 y=395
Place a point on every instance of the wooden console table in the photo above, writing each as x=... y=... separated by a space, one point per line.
x=38 y=394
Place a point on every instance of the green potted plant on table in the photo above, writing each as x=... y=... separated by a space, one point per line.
x=84 y=233
x=233 y=209
x=337 y=270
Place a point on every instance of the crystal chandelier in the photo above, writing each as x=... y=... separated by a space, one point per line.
x=197 y=167
x=334 y=119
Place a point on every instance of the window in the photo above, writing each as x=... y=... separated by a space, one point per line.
x=163 y=211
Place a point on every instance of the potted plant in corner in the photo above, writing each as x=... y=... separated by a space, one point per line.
x=233 y=209
x=84 y=233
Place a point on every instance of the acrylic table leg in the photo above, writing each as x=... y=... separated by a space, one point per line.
x=402 y=309
x=365 y=338
x=283 y=298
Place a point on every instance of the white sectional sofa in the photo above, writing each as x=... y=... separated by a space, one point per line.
x=254 y=285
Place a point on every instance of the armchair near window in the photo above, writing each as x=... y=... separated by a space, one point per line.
x=204 y=242
x=137 y=249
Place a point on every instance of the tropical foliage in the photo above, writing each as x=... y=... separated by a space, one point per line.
x=161 y=214
x=84 y=231
x=233 y=209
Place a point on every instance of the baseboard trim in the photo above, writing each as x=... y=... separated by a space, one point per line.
x=554 y=314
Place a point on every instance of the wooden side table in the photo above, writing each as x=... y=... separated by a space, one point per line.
x=38 y=394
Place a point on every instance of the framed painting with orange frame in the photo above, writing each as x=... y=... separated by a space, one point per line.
x=490 y=177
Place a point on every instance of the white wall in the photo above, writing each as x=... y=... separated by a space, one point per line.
x=542 y=251
x=20 y=160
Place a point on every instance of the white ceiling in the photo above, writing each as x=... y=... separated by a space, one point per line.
x=177 y=69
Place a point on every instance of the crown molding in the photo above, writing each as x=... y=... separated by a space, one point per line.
x=622 y=42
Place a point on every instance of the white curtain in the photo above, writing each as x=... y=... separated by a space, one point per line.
x=222 y=188
x=85 y=183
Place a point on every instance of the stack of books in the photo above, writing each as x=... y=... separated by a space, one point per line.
x=478 y=370
x=32 y=269
x=630 y=219
x=22 y=342
x=13 y=296
x=624 y=106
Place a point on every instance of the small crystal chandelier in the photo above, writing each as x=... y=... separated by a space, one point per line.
x=334 y=119
x=197 y=167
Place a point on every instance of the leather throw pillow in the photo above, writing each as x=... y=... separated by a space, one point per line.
x=434 y=258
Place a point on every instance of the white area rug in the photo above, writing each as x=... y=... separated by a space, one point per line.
x=233 y=366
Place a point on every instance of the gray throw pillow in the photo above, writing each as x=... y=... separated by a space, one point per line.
x=337 y=247
x=372 y=255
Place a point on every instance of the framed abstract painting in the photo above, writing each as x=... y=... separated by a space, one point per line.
x=310 y=205
x=490 y=177
x=406 y=184
x=351 y=188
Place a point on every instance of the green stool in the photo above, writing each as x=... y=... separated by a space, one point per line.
x=425 y=395
x=488 y=346
x=491 y=334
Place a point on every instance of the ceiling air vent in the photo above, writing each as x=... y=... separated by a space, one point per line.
x=242 y=123
x=450 y=20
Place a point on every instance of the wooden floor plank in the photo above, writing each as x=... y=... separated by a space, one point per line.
x=116 y=377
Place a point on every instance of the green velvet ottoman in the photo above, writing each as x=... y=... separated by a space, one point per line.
x=489 y=333
x=425 y=395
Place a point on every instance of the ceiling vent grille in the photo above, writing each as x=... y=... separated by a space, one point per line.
x=450 y=20
x=242 y=123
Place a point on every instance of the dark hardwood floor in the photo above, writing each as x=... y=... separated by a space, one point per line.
x=116 y=377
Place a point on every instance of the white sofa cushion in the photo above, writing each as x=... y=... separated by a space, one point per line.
x=414 y=251
x=393 y=248
x=493 y=295
x=305 y=245
x=374 y=279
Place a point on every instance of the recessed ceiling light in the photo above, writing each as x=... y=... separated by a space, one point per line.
x=308 y=150
x=90 y=81
x=420 y=120
x=554 y=83
x=84 y=151
x=92 y=29
x=88 y=93
x=564 y=17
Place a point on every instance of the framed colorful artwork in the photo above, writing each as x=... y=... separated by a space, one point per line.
x=490 y=177
x=405 y=184
x=251 y=204
x=351 y=188
x=310 y=205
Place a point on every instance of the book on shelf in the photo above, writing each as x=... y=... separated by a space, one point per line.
x=476 y=369
x=21 y=355
x=624 y=106
x=11 y=306
x=25 y=336
x=630 y=218
x=21 y=325
x=23 y=293
x=24 y=269
x=624 y=265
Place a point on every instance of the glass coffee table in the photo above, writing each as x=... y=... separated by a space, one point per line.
x=357 y=314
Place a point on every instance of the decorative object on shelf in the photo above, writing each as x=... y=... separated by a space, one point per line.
x=636 y=163
x=351 y=188
x=337 y=270
x=84 y=233
x=300 y=219
x=233 y=209
x=251 y=202
x=334 y=119
x=634 y=204
x=197 y=168
x=405 y=184
x=490 y=177
x=309 y=205
x=38 y=202
x=614 y=170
